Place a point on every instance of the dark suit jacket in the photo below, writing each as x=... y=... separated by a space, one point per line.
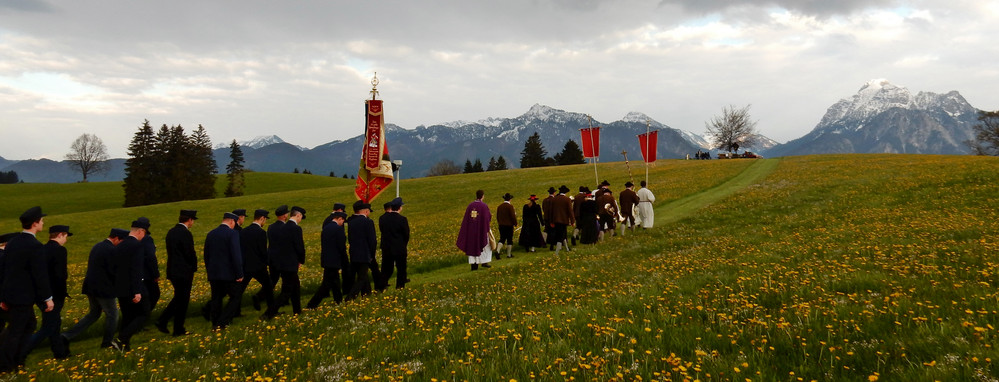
x=274 y=239
x=23 y=276
x=223 y=257
x=129 y=257
x=334 y=243
x=362 y=238
x=182 y=261
x=561 y=211
x=291 y=248
x=55 y=264
x=150 y=266
x=99 y=281
x=395 y=234
x=253 y=243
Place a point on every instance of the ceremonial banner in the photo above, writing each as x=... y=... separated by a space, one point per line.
x=375 y=172
x=591 y=141
x=649 y=142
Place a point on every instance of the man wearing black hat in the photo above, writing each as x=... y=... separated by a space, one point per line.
x=241 y=216
x=150 y=271
x=290 y=257
x=133 y=298
x=363 y=242
x=98 y=286
x=628 y=199
x=395 y=239
x=332 y=258
x=56 y=265
x=337 y=207
x=546 y=214
x=24 y=282
x=274 y=242
x=224 y=266
x=253 y=244
x=562 y=217
x=182 y=263
x=506 y=220
x=3 y=244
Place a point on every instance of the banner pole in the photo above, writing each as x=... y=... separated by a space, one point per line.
x=648 y=139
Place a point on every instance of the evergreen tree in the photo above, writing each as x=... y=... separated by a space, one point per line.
x=8 y=177
x=203 y=167
x=307 y=172
x=345 y=175
x=332 y=175
x=501 y=163
x=534 y=154
x=234 y=171
x=571 y=154
x=139 y=168
x=468 y=167
x=295 y=171
x=492 y=164
x=477 y=167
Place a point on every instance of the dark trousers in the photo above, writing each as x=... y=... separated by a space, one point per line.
x=15 y=336
x=222 y=315
x=291 y=290
x=50 y=328
x=176 y=310
x=376 y=274
x=331 y=283
x=97 y=305
x=266 y=292
x=153 y=293
x=362 y=285
x=348 y=279
x=391 y=263
x=133 y=317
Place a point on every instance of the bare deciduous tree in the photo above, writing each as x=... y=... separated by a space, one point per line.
x=986 y=140
x=444 y=167
x=732 y=129
x=88 y=155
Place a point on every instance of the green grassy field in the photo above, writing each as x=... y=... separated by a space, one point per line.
x=840 y=267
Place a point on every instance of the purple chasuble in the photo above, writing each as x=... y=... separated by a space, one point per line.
x=472 y=237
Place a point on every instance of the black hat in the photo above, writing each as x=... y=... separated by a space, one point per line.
x=563 y=189
x=119 y=233
x=300 y=210
x=239 y=212
x=533 y=197
x=230 y=215
x=143 y=223
x=338 y=214
x=32 y=215
x=507 y=196
x=551 y=190
x=6 y=237
x=339 y=207
x=396 y=203
x=604 y=183
x=260 y=213
x=360 y=205
x=60 y=228
x=192 y=214
x=582 y=189
x=387 y=205
x=629 y=184
x=281 y=210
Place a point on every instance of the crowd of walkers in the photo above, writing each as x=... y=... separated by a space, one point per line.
x=592 y=214
x=122 y=277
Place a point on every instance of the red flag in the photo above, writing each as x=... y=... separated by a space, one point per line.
x=649 y=142
x=591 y=141
x=375 y=172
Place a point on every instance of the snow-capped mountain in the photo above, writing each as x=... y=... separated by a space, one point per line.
x=886 y=118
x=265 y=140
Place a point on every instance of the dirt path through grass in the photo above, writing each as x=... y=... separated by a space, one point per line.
x=684 y=207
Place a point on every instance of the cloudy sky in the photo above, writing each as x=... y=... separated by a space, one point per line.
x=301 y=69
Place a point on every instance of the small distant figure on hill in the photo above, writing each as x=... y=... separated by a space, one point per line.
x=531 y=235
x=646 y=215
x=473 y=237
x=506 y=219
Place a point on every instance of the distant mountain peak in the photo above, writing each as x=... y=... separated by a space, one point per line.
x=636 y=116
x=539 y=111
x=261 y=141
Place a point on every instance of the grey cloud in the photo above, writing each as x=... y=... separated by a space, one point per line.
x=25 y=5
x=817 y=8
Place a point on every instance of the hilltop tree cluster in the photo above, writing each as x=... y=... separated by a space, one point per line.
x=9 y=177
x=535 y=155
x=494 y=165
x=169 y=165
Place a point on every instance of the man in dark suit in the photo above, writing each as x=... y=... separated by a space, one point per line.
x=253 y=244
x=337 y=207
x=182 y=263
x=56 y=266
x=98 y=286
x=274 y=241
x=241 y=216
x=3 y=244
x=290 y=257
x=24 y=282
x=363 y=242
x=332 y=259
x=150 y=271
x=133 y=298
x=224 y=265
x=395 y=239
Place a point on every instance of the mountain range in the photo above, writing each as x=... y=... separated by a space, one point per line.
x=880 y=118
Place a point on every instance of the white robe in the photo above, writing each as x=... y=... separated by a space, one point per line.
x=486 y=256
x=646 y=216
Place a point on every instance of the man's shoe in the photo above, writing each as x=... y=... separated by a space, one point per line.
x=256 y=302
x=486 y=266
x=162 y=326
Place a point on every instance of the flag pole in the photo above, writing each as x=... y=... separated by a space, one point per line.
x=592 y=148
x=648 y=139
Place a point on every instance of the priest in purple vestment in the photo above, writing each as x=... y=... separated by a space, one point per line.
x=473 y=238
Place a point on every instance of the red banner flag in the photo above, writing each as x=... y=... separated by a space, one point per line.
x=649 y=142
x=375 y=172
x=591 y=141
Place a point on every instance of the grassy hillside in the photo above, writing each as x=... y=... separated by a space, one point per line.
x=64 y=198
x=852 y=267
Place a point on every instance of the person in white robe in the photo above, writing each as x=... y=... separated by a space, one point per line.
x=646 y=215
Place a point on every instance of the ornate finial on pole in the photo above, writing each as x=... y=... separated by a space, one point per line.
x=374 y=86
